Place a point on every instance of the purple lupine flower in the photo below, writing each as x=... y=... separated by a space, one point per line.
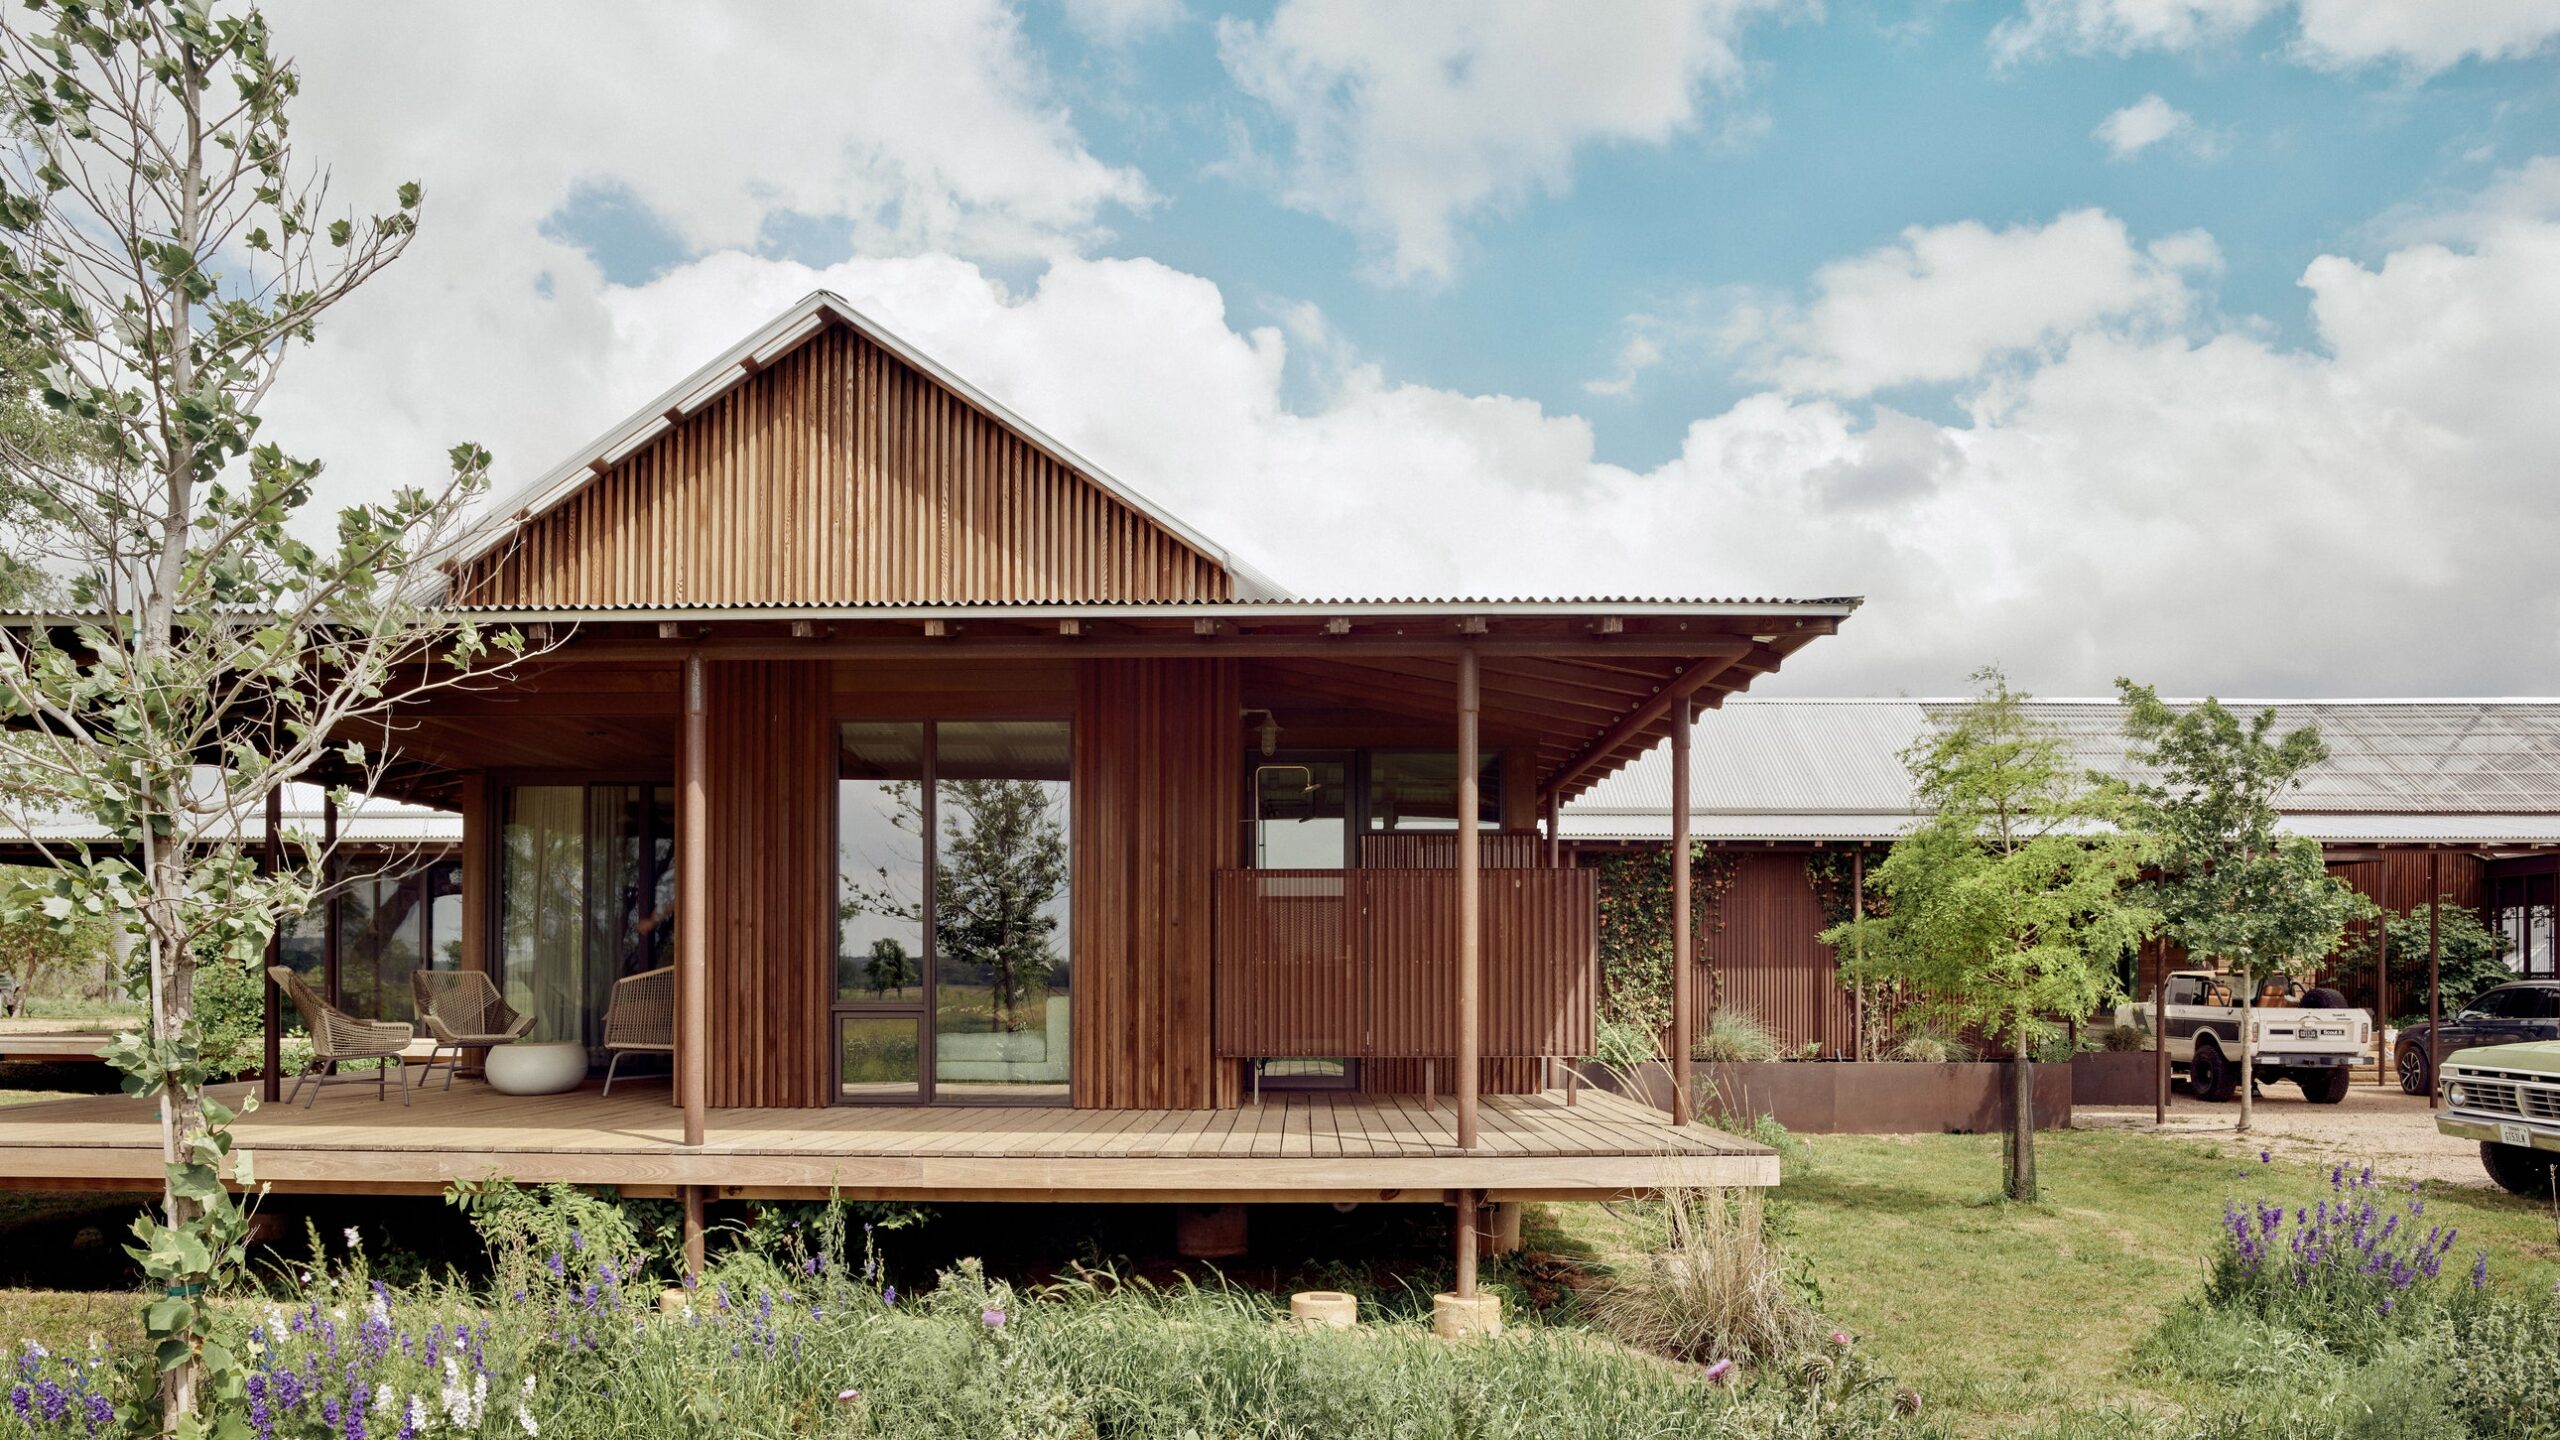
x=100 y=1413
x=20 y=1401
x=2480 y=1272
x=1720 y=1372
x=889 y=1296
x=558 y=1264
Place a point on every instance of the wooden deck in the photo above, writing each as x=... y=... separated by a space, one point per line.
x=1297 y=1148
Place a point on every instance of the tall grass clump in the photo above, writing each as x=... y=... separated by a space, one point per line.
x=1735 y=1037
x=1710 y=1284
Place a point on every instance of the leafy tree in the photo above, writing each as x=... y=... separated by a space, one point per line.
x=1001 y=861
x=2472 y=957
x=2008 y=904
x=164 y=248
x=890 y=967
x=2230 y=890
x=32 y=946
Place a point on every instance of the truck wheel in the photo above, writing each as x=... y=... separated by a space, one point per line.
x=2517 y=1170
x=2323 y=1087
x=2416 y=1075
x=2209 y=1075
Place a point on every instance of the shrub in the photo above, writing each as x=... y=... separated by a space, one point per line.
x=2120 y=1039
x=2350 y=1270
x=1623 y=1045
x=1735 y=1037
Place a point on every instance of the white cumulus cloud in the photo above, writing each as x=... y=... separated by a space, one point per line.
x=2139 y=126
x=2420 y=36
x=1944 y=301
x=1406 y=121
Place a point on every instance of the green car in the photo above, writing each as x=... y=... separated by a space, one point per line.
x=2507 y=1097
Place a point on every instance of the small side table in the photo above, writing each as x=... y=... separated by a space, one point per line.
x=536 y=1067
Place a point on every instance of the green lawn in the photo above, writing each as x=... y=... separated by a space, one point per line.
x=2002 y=1313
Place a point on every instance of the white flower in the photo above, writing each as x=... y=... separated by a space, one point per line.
x=354 y=1240
x=384 y=1398
x=419 y=1420
x=463 y=1404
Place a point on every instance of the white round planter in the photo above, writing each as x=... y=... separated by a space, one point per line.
x=538 y=1067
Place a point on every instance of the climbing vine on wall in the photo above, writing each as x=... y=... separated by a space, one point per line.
x=1635 y=928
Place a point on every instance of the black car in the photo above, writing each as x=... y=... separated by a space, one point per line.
x=2525 y=1010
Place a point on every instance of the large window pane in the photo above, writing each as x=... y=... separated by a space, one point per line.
x=877 y=1057
x=380 y=936
x=1418 y=790
x=880 y=888
x=1000 y=908
x=586 y=877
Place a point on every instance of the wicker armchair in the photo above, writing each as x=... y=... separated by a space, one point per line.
x=463 y=1010
x=641 y=1020
x=338 y=1037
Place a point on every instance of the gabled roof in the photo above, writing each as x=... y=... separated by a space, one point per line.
x=741 y=362
x=2483 y=772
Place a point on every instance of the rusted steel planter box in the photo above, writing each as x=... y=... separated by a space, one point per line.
x=2114 y=1077
x=1861 y=1097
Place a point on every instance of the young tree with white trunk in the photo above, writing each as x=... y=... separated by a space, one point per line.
x=165 y=248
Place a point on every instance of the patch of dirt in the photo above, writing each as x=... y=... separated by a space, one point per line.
x=2375 y=1124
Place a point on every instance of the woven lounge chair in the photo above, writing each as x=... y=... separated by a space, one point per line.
x=338 y=1037
x=641 y=1020
x=463 y=1010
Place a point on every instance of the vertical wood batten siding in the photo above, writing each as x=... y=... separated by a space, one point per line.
x=839 y=475
x=1363 y=963
x=771 y=789
x=1758 y=948
x=1158 y=753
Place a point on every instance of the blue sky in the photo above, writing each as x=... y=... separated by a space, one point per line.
x=1849 y=126
x=2209 y=341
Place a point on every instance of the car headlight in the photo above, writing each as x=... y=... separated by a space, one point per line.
x=2453 y=1092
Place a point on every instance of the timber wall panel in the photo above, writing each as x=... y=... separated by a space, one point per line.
x=1363 y=963
x=1158 y=795
x=771 y=794
x=1758 y=953
x=839 y=475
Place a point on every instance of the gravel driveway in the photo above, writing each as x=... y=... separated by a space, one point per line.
x=2396 y=1133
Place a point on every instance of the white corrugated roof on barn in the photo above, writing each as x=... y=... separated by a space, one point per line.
x=2475 y=772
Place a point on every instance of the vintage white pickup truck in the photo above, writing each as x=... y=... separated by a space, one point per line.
x=2315 y=1048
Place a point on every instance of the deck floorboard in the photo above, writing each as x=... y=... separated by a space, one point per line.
x=1290 y=1146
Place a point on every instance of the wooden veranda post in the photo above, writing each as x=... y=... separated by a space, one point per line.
x=1858 y=954
x=693 y=825
x=2381 y=1003
x=2159 y=1039
x=329 y=897
x=1470 y=917
x=1555 y=831
x=271 y=1056
x=1683 y=944
x=1468 y=1200
x=2435 y=968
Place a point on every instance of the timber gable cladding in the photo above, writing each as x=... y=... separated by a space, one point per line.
x=839 y=474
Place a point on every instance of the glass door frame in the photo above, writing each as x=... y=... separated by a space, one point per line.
x=492 y=849
x=925 y=1007
x=927 y=1010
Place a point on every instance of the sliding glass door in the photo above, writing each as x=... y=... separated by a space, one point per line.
x=953 y=964
x=586 y=896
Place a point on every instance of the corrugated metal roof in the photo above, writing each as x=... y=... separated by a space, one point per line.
x=1257 y=608
x=2469 y=771
x=370 y=820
